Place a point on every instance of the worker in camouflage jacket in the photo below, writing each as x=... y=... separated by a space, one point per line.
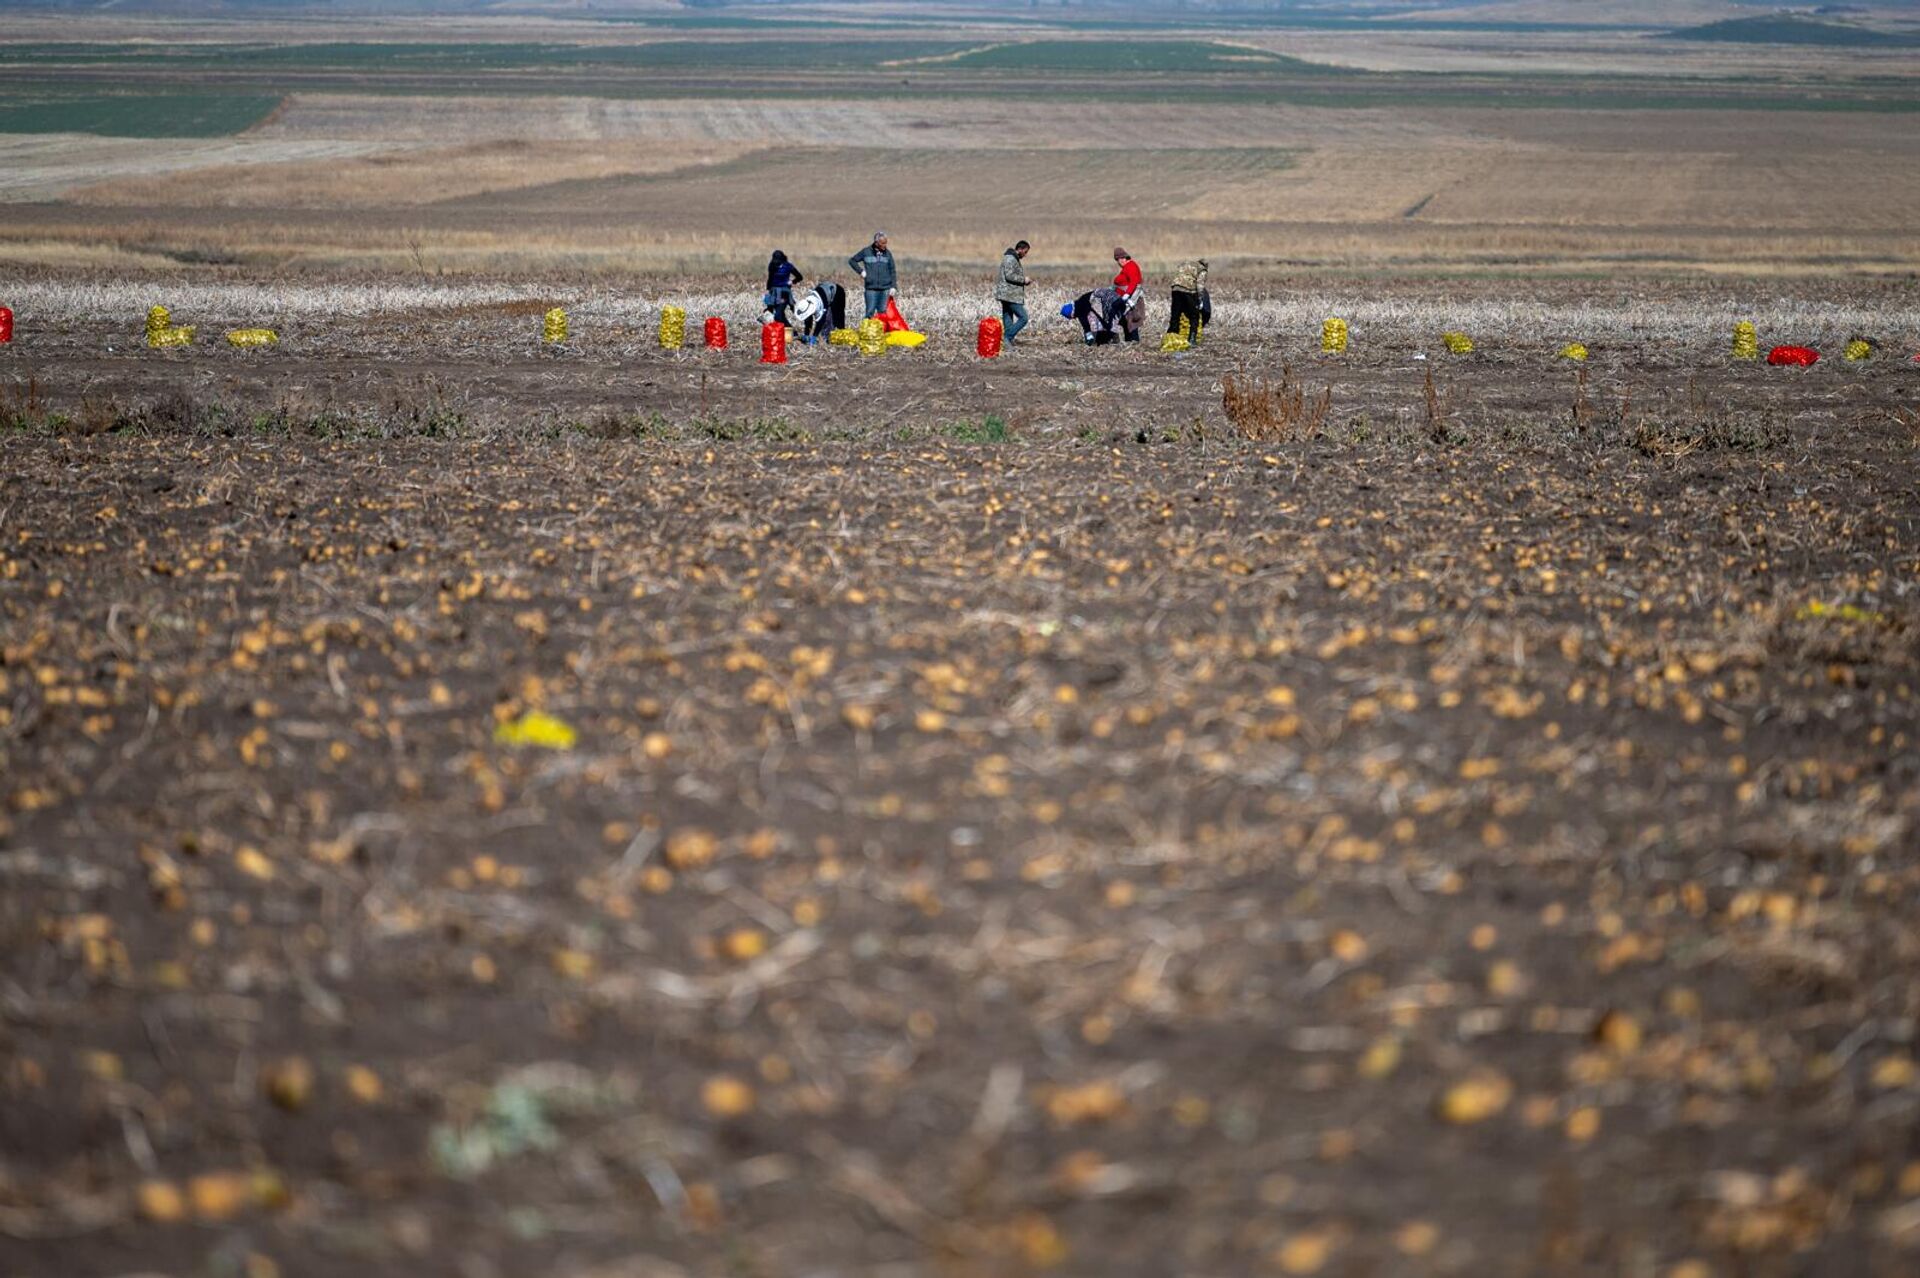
x=1010 y=290
x=1190 y=299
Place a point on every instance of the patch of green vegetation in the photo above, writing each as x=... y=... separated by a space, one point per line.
x=990 y=429
x=137 y=115
x=727 y=430
x=1100 y=57
x=1787 y=28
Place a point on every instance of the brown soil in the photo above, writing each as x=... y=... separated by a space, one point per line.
x=1479 y=843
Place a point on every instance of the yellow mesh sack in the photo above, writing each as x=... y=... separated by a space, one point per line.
x=873 y=337
x=1176 y=341
x=1859 y=348
x=553 y=326
x=171 y=336
x=673 y=328
x=159 y=320
x=843 y=337
x=1333 y=337
x=252 y=337
x=1746 y=340
x=906 y=340
x=1573 y=350
x=1458 y=343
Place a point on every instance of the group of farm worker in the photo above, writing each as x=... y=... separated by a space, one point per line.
x=1113 y=312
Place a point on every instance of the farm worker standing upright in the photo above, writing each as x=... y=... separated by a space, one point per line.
x=874 y=264
x=782 y=275
x=1190 y=298
x=1011 y=290
x=1126 y=285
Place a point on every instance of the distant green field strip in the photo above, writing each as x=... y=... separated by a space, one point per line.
x=1113 y=56
x=1787 y=29
x=371 y=56
x=138 y=115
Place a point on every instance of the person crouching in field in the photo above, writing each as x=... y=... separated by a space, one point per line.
x=819 y=311
x=782 y=275
x=1100 y=313
x=1011 y=291
x=1128 y=286
x=875 y=265
x=1190 y=300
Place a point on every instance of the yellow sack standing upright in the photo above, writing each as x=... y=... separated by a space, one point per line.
x=673 y=328
x=553 y=327
x=1746 y=340
x=252 y=337
x=1458 y=343
x=1859 y=348
x=1333 y=337
x=872 y=337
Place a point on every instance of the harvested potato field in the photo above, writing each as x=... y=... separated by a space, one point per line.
x=479 y=809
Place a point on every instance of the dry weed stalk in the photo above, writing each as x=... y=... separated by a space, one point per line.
x=1582 y=410
x=1439 y=407
x=1265 y=411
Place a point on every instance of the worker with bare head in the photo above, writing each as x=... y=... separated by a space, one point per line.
x=874 y=264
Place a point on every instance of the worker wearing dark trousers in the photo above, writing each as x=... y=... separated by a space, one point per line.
x=1189 y=294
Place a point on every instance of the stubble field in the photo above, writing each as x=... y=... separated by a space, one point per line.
x=1016 y=823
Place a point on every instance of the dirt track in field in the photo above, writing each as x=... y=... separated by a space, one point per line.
x=1476 y=844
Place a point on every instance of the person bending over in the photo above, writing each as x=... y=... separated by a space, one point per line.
x=819 y=311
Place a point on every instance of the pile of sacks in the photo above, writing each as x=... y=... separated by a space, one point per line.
x=161 y=332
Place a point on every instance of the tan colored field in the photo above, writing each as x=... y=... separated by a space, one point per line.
x=585 y=184
x=470 y=181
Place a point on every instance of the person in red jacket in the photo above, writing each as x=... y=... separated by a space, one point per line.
x=1128 y=285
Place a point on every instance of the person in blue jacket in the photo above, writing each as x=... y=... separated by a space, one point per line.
x=874 y=264
x=782 y=275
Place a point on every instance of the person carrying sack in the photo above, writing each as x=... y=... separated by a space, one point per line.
x=1011 y=291
x=1190 y=301
x=875 y=265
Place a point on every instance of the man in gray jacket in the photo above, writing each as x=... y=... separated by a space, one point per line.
x=874 y=264
x=1011 y=291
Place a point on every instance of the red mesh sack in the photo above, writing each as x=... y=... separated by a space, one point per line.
x=773 y=343
x=6 y=325
x=991 y=332
x=894 y=321
x=716 y=334
x=1796 y=355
